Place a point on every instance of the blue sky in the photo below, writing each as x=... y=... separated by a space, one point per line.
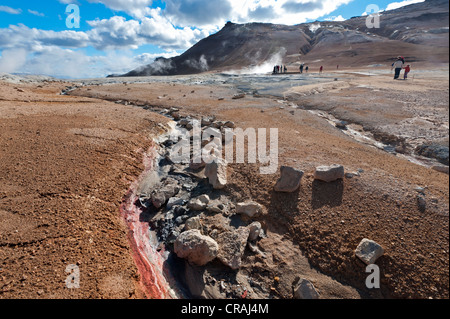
x=116 y=36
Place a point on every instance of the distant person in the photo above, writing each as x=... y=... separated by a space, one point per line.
x=301 y=68
x=407 y=70
x=398 y=66
x=321 y=69
x=285 y=69
x=307 y=69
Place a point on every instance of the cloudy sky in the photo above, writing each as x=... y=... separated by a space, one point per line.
x=115 y=36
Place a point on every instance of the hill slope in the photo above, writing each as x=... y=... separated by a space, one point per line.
x=419 y=32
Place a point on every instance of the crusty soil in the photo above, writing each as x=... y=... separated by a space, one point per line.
x=327 y=221
x=66 y=163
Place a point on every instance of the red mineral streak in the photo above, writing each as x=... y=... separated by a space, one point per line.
x=148 y=260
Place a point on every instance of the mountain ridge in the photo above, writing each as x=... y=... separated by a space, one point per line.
x=419 y=32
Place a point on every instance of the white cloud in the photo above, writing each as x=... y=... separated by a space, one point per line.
x=208 y=13
x=396 y=5
x=36 y=13
x=177 y=27
x=136 y=8
x=339 y=18
x=12 y=60
x=10 y=10
x=336 y=19
x=117 y=32
x=107 y=34
x=67 y=63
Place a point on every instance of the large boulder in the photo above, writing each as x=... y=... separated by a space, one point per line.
x=232 y=247
x=329 y=173
x=196 y=248
x=289 y=181
x=369 y=251
x=216 y=172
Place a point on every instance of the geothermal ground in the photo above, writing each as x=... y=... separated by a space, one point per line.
x=71 y=166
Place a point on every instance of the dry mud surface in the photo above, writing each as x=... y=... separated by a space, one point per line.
x=67 y=162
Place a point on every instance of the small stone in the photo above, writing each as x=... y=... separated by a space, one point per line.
x=238 y=96
x=255 y=231
x=329 y=173
x=199 y=203
x=216 y=207
x=193 y=223
x=229 y=124
x=196 y=248
x=369 y=251
x=170 y=189
x=420 y=190
x=232 y=247
x=216 y=172
x=289 y=181
x=341 y=124
x=304 y=289
x=441 y=169
x=250 y=209
x=421 y=202
x=175 y=201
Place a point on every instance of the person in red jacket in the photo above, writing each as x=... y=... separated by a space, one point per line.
x=407 y=70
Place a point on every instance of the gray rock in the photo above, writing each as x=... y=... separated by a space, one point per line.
x=184 y=122
x=216 y=172
x=238 y=96
x=441 y=169
x=422 y=202
x=369 y=251
x=216 y=207
x=192 y=123
x=167 y=191
x=193 y=223
x=175 y=201
x=207 y=121
x=436 y=151
x=341 y=124
x=329 y=173
x=232 y=247
x=304 y=289
x=255 y=231
x=250 y=209
x=289 y=181
x=229 y=124
x=199 y=203
x=196 y=248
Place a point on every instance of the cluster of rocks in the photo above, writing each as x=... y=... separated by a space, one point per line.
x=189 y=194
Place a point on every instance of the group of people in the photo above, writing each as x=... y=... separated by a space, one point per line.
x=399 y=65
x=277 y=69
x=304 y=67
